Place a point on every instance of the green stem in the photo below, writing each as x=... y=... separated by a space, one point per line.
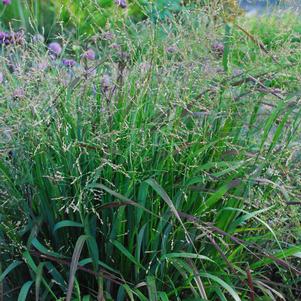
x=227 y=40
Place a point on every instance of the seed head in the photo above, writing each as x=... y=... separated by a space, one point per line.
x=38 y=38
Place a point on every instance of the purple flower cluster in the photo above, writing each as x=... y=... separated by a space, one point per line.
x=6 y=2
x=9 y=38
x=55 y=49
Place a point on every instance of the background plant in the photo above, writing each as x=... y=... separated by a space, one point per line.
x=86 y=16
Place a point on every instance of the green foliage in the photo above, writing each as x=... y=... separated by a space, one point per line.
x=86 y=16
x=31 y=15
x=162 y=9
x=169 y=182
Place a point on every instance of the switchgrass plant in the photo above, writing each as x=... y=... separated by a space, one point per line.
x=151 y=173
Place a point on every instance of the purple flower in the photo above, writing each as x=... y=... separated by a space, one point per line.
x=121 y=3
x=55 y=48
x=8 y=38
x=172 y=49
x=6 y=2
x=69 y=62
x=218 y=48
x=19 y=93
x=3 y=37
x=89 y=55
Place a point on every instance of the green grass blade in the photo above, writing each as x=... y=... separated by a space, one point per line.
x=185 y=255
x=24 y=291
x=38 y=280
x=11 y=267
x=66 y=223
x=44 y=250
x=127 y=254
x=226 y=53
x=163 y=296
x=223 y=284
x=153 y=183
x=74 y=263
x=151 y=287
x=283 y=254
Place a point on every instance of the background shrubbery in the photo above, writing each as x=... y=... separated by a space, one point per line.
x=85 y=16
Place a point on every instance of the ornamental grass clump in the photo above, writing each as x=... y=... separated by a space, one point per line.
x=149 y=176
